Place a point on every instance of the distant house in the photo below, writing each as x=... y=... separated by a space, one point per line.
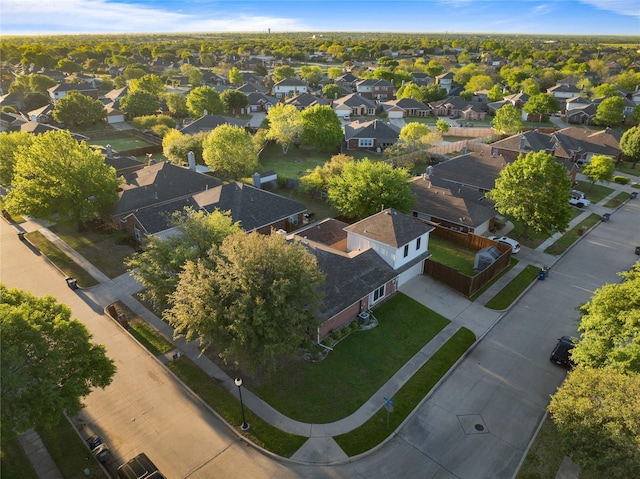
x=39 y=128
x=445 y=81
x=563 y=91
x=60 y=91
x=370 y=135
x=354 y=104
x=405 y=107
x=306 y=100
x=364 y=263
x=457 y=107
x=11 y=121
x=42 y=114
x=210 y=123
x=375 y=89
x=260 y=101
x=289 y=87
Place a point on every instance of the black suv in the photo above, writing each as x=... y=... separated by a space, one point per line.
x=561 y=354
x=140 y=467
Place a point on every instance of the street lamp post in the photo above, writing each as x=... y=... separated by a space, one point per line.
x=245 y=425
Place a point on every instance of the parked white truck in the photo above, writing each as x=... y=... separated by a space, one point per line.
x=578 y=199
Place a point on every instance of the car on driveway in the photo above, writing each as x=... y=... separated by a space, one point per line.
x=578 y=199
x=561 y=354
x=515 y=246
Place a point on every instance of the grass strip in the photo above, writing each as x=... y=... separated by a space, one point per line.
x=331 y=389
x=546 y=453
x=593 y=192
x=617 y=200
x=477 y=294
x=452 y=255
x=571 y=236
x=68 y=451
x=511 y=291
x=151 y=339
x=60 y=259
x=222 y=401
x=14 y=462
x=383 y=423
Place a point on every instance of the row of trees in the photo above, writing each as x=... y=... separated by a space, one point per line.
x=597 y=409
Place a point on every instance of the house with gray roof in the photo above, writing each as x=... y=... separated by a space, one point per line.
x=405 y=107
x=255 y=210
x=209 y=123
x=364 y=263
x=260 y=101
x=376 y=89
x=370 y=135
x=306 y=100
x=60 y=90
x=354 y=104
x=457 y=107
x=289 y=87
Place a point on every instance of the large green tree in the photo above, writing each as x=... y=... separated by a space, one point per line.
x=600 y=168
x=365 y=187
x=534 y=189
x=235 y=76
x=140 y=103
x=177 y=104
x=10 y=143
x=163 y=258
x=610 y=111
x=597 y=413
x=176 y=146
x=204 y=98
x=630 y=145
x=285 y=125
x=230 y=152
x=58 y=178
x=78 y=109
x=321 y=127
x=48 y=362
x=508 y=120
x=234 y=100
x=541 y=104
x=318 y=179
x=150 y=83
x=254 y=300
x=282 y=72
x=610 y=326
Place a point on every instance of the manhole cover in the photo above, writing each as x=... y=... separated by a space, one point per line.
x=473 y=424
x=479 y=427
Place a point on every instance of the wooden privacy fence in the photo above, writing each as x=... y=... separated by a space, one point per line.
x=453 y=278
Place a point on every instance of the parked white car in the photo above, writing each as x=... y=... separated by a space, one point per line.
x=578 y=199
x=515 y=246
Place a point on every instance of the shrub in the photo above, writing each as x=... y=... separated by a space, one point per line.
x=337 y=335
x=354 y=325
x=622 y=180
x=328 y=342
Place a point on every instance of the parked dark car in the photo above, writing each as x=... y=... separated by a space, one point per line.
x=103 y=454
x=140 y=467
x=94 y=441
x=561 y=354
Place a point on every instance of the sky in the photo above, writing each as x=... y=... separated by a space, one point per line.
x=568 y=17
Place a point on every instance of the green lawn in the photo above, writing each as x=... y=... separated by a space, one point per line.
x=360 y=364
x=225 y=404
x=595 y=194
x=60 y=259
x=477 y=294
x=122 y=143
x=452 y=255
x=383 y=423
x=545 y=455
x=296 y=163
x=626 y=168
x=69 y=452
x=149 y=337
x=511 y=291
x=571 y=236
x=14 y=463
x=321 y=208
x=105 y=249
x=617 y=200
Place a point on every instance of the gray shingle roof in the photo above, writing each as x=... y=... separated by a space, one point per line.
x=210 y=123
x=380 y=130
x=390 y=227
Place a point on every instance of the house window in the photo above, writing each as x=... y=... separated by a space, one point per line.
x=418 y=243
x=365 y=142
x=293 y=219
x=406 y=250
x=136 y=233
x=378 y=294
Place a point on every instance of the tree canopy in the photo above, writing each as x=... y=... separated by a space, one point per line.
x=229 y=151
x=254 y=301
x=285 y=125
x=630 y=144
x=541 y=104
x=366 y=187
x=48 y=362
x=321 y=127
x=534 y=189
x=150 y=83
x=600 y=168
x=57 y=177
x=234 y=100
x=610 y=111
x=140 y=103
x=508 y=120
x=10 y=143
x=163 y=258
x=204 y=98
x=78 y=109
x=318 y=179
x=176 y=146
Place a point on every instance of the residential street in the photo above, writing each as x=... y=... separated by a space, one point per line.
x=476 y=424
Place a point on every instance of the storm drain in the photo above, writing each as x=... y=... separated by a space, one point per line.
x=472 y=424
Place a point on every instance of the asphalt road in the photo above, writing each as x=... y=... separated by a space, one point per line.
x=477 y=424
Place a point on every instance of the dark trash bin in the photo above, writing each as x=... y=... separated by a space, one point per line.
x=72 y=283
x=606 y=216
x=542 y=275
x=638 y=250
x=634 y=195
x=21 y=236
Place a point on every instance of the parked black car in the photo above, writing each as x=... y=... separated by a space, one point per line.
x=561 y=354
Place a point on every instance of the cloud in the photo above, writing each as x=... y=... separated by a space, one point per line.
x=542 y=9
x=628 y=8
x=103 y=16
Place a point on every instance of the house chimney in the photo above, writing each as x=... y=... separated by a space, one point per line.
x=523 y=142
x=255 y=179
x=191 y=158
x=430 y=170
x=109 y=151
